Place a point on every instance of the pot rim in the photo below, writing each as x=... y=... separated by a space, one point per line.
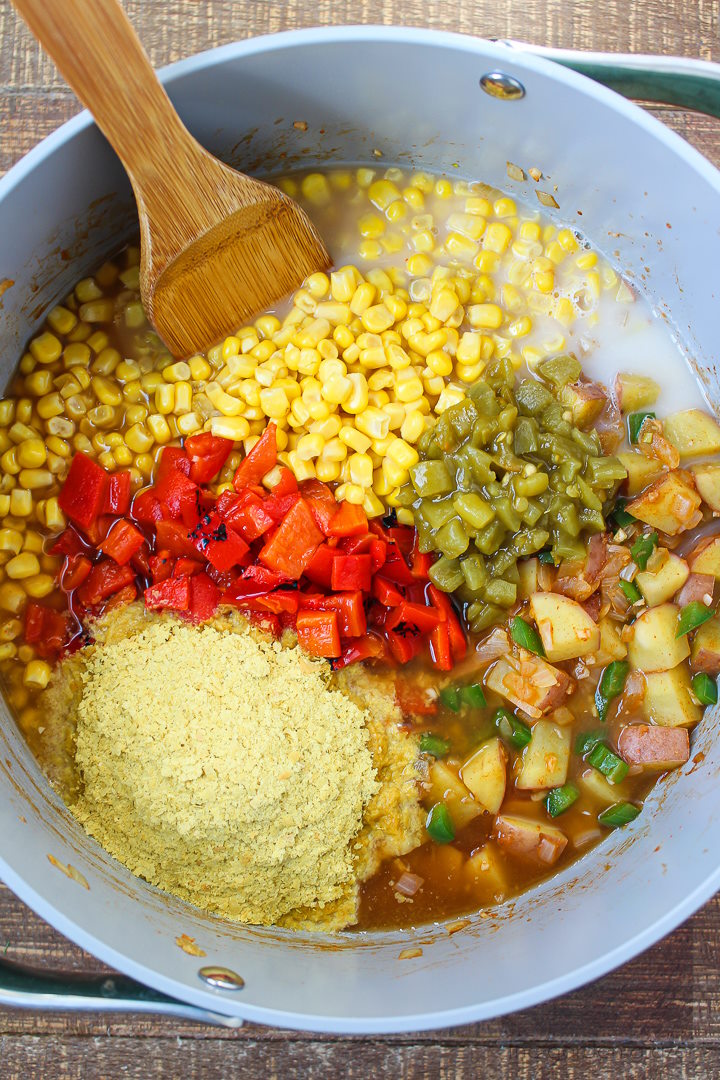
x=541 y=992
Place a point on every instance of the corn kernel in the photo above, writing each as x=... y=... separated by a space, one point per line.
x=50 y=405
x=11 y=540
x=61 y=320
x=586 y=260
x=395 y=475
x=316 y=189
x=22 y=566
x=39 y=586
x=497 y=238
x=189 y=423
x=487 y=316
x=274 y=403
x=403 y=454
x=31 y=453
x=451 y=395
x=439 y=362
x=8 y=651
x=39 y=382
x=124 y=456
x=46 y=348
x=37 y=674
x=9 y=462
x=520 y=327
x=412 y=427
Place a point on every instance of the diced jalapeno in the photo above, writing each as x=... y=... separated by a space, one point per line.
x=617 y=815
x=692 y=615
x=526 y=635
x=439 y=824
x=561 y=799
x=705 y=689
x=512 y=729
x=433 y=744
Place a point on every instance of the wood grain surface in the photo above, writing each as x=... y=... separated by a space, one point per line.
x=656 y=1018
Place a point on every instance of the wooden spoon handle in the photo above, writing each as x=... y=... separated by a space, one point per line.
x=97 y=51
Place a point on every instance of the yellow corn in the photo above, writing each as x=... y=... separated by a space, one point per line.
x=37 y=674
x=39 y=586
x=22 y=566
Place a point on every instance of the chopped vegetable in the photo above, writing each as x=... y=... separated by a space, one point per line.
x=82 y=496
x=439 y=824
x=630 y=590
x=433 y=744
x=643 y=548
x=451 y=698
x=692 y=616
x=561 y=799
x=620 y=814
x=526 y=635
x=635 y=422
x=620 y=516
x=606 y=761
x=587 y=741
x=705 y=689
x=318 y=633
x=612 y=682
x=473 y=695
x=259 y=461
x=512 y=729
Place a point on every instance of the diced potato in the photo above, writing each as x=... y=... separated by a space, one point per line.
x=659 y=585
x=671 y=504
x=612 y=646
x=534 y=686
x=641 y=470
x=486 y=869
x=705 y=558
x=530 y=840
x=653 y=646
x=565 y=628
x=545 y=759
x=693 y=432
x=707 y=481
x=656 y=748
x=705 y=651
x=446 y=786
x=484 y=775
x=633 y=392
x=528 y=571
x=586 y=400
x=667 y=698
x=599 y=788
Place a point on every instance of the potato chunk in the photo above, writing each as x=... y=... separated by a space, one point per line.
x=707 y=481
x=671 y=504
x=546 y=757
x=705 y=558
x=653 y=646
x=612 y=646
x=693 y=432
x=660 y=584
x=484 y=774
x=530 y=840
x=586 y=400
x=654 y=748
x=565 y=628
x=530 y=683
x=705 y=651
x=641 y=470
x=594 y=784
x=485 y=868
x=446 y=786
x=667 y=698
x=633 y=392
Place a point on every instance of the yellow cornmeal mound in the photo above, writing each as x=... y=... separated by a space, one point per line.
x=221 y=767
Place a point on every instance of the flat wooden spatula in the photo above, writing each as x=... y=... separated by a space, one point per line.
x=217 y=246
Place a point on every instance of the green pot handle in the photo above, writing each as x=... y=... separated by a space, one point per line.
x=659 y=80
x=23 y=988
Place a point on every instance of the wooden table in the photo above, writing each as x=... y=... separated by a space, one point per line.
x=658 y=1017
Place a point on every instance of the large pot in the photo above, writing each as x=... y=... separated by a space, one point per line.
x=635 y=189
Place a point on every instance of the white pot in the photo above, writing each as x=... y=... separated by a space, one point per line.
x=639 y=192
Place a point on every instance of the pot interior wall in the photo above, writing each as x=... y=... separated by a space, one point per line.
x=414 y=97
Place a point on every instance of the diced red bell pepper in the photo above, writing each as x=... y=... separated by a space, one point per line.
x=208 y=453
x=440 y=652
x=204 y=598
x=403 y=647
x=278 y=506
x=395 y=568
x=256 y=581
x=82 y=497
x=246 y=514
x=191 y=513
x=105 y=578
x=161 y=566
x=117 y=496
x=349 y=608
x=173 y=537
x=371 y=647
x=277 y=602
x=74 y=572
x=319 y=569
x=386 y=592
x=442 y=603
x=185 y=567
x=45 y=628
x=126 y=595
x=122 y=542
x=146 y=508
x=351 y=572
x=318 y=633
x=420 y=562
x=172 y=458
x=350 y=520
x=34 y=619
x=321 y=501
x=172 y=594
x=295 y=542
x=140 y=561
x=413 y=619
x=414 y=699
x=177 y=491
x=218 y=542
x=69 y=542
x=260 y=460
x=285 y=484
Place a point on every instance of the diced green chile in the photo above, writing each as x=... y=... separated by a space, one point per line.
x=620 y=813
x=434 y=745
x=526 y=635
x=705 y=689
x=607 y=762
x=643 y=548
x=431 y=478
x=692 y=615
x=439 y=824
x=611 y=685
x=635 y=422
x=561 y=799
x=512 y=729
x=630 y=590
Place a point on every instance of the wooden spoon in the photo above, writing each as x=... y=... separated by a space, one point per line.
x=217 y=246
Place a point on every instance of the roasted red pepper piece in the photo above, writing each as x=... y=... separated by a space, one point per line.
x=45 y=628
x=218 y=542
x=260 y=460
x=161 y=566
x=126 y=595
x=173 y=594
x=350 y=520
x=82 y=497
x=185 y=567
x=404 y=647
x=117 y=496
x=176 y=491
x=349 y=608
x=395 y=568
x=172 y=458
x=295 y=542
x=285 y=484
x=172 y=536
x=321 y=502
x=413 y=619
x=420 y=562
x=440 y=647
x=208 y=453
x=246 y=514
x=442 y=603
x=76 y=569
x=351 y=572
x=413 y=699
x=204 y=598
x=385 y=592
x=278 y=506
x=146 y=508
x=371 y=647
x=318 y=633
x=34 y=619
x=256 y=581
x=319 y=569
x=68 y=542
x=105 y=578
x=122 y=542
x=277 y=602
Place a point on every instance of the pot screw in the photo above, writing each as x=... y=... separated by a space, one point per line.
x=221 y=978
x=498 y=84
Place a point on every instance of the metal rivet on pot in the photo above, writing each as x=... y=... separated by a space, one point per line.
x=498 y=84
x=221 y=978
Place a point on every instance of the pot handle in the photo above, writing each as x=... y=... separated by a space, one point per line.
x=660 y=80
x=24 y=988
